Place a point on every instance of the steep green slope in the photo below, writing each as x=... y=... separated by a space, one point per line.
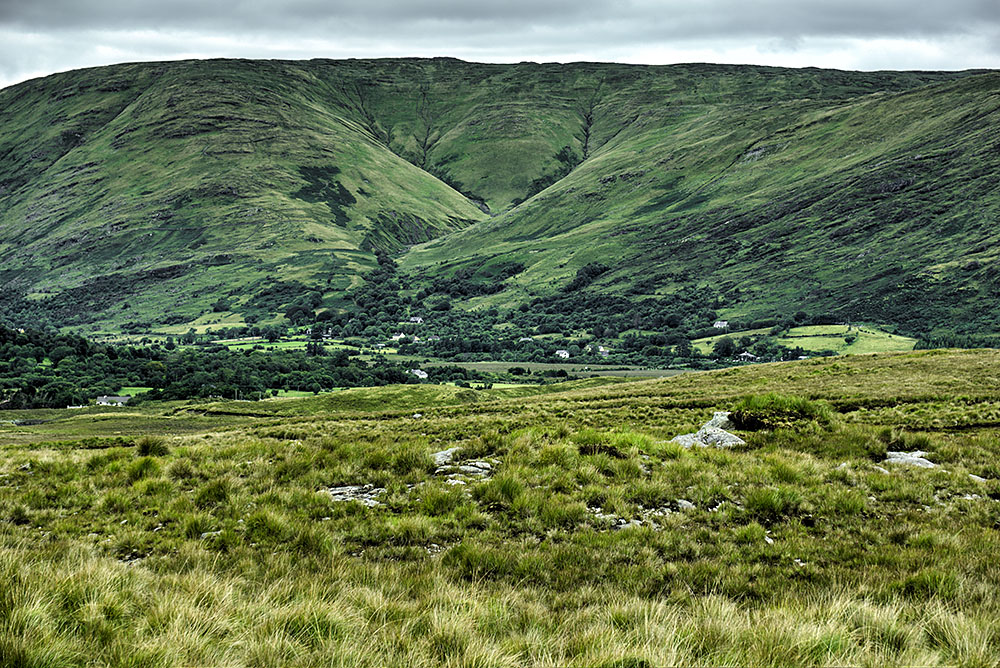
x=878 y=207
x=156 y=192
x=177 y=184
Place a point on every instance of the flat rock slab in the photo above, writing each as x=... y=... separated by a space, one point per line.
x=364 y=494
x=705 y=437
x=915 y=458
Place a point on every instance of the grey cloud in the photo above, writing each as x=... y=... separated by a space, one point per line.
x=671 y=18
x=50 y=35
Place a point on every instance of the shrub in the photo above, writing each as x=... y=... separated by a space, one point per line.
x=774 y=411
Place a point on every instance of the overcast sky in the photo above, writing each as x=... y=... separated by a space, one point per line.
x=38 y=37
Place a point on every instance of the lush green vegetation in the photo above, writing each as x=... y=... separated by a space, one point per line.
x=50 y=370
x=619 y=193
x=202 y=535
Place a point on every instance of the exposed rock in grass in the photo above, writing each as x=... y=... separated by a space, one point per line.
x=709 y=437
x=977 y=478
x=446 y=466
x=915 y=458
x=444 y=456
x=720 y=420
x=684 y=504
x=482 y=469
x=364 y=494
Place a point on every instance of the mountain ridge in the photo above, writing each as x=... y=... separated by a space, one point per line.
x=142 y=171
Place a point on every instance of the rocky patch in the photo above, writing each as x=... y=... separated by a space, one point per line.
x=363 y=494
x=713 y=434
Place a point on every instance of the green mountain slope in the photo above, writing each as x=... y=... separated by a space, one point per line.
x=147 y=192
x=180 y=183
x=878 y=207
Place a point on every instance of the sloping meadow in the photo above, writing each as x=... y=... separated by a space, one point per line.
x=559 y=529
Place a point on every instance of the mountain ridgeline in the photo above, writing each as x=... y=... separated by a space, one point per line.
x=166 y=192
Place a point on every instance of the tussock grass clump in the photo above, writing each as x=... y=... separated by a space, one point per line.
x=151 y=446
x=773 y=504
x=896 y=438
x=778 y=411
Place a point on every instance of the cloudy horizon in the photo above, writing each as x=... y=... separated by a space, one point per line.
x=47 y=36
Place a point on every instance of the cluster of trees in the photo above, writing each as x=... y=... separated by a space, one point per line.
x=45 y=369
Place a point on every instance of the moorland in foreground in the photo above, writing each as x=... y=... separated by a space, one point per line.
x=332 y=530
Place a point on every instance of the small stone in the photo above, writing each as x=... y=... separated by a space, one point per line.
x=768 y=540
x=977 y=478
x=417 y=416
x=684 y=504
x=915 y=458
x=454 y=481
x=881 y=470
x=444 y=457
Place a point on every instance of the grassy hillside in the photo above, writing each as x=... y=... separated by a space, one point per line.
x=874 y=207
x=203 y=534
x=157 y=193
x=158 y=189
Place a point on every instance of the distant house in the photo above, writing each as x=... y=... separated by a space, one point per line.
x=113 y=401
x=434 y=338
x=397 y=336
x=602 y=351
x=721 y=324
x=747 y=357
x=417 y=320
x=563 y=354
x=419 y=373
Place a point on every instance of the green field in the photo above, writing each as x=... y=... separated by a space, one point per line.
x=832 y=337
x=132 y=391
x=817 y=338
x=199 y=533
x=706 y=344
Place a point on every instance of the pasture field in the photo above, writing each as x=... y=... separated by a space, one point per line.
x=815 y=338
x=203 y=533
x=844 y=341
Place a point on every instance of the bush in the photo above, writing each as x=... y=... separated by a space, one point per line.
x=775 y=411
